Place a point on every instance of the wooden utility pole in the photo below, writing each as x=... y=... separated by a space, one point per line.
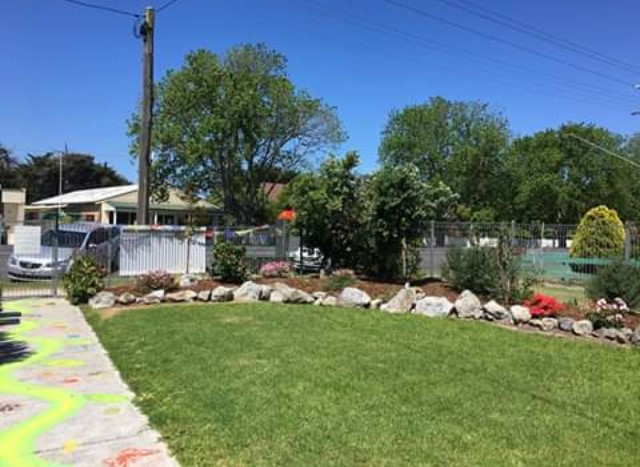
x=144 y=158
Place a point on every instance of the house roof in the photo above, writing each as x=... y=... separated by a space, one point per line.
x=93 y=195
x=116 y=197
x=273 y=190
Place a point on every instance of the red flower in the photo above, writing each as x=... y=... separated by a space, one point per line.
x=542 y=306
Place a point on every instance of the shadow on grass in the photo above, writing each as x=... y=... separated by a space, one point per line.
x=11 y=350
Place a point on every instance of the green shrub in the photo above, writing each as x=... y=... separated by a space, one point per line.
x=230 y=262
x=470 y=268
x=493 y=271
x=600 y=234
x=156 y=280
x=339 y=280
x=616 y=280
x=84 y=279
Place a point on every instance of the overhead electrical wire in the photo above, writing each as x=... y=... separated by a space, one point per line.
x=96 y=6
x=360 y=21
x=491 y=37
x=165 y=6
x=605 y=150
x=533 y=31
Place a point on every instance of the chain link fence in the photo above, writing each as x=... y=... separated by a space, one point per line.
x=543 y=248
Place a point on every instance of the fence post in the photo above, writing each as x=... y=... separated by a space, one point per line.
x=432 y=244
x=54 y=260
x=627 y=242
x=109 y=258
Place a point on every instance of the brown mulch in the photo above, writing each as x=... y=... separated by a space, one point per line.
x=381 y=290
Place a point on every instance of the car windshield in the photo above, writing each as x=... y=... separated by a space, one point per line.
x=66 y=239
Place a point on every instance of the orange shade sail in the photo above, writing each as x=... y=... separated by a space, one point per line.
x=287 y=215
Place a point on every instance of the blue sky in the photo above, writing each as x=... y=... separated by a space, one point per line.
x=72 y=75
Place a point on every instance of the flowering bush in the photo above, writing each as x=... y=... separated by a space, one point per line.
x=617 y=306
x=542 y=306
x=275 y=269
x=156 y=280
x=609 y=313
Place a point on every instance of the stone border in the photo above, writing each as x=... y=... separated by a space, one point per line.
x=407 y=300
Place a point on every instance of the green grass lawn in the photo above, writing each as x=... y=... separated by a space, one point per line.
x=301 y=385
x=570 y=294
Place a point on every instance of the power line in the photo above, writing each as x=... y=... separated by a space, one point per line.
x=434 y=45
x=608 y=151
x=500 y=40
x=533 y=31
x=165 y=6
x=102 y=7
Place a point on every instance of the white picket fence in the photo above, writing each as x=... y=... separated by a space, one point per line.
x=145 y=249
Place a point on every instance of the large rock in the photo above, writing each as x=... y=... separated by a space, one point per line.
x=181 y=296
x=222 y=294
x=251 y=292
x=157 y=296
x=634 y=339
x=584 y=327
x=329 y=300
x=282 y=293
x=520 y=314
x=351 y=296
x=548 y=324
x=566 y=324
x=375 y=304
x=204 y=296
x=468 y=305
x=319 y=295
x=188 y=280
x=493 y=311
x=127 y=298
x=611 y=334
x=102 y=300
x=433 y=307
x=402 y=302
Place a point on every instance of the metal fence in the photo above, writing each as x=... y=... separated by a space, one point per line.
x=128 y=251
x=543 y=248
x=125 y=252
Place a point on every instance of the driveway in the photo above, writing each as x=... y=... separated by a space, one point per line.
x=65 y=403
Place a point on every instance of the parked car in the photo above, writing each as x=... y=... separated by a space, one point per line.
x=312 y=259
x=98 y=240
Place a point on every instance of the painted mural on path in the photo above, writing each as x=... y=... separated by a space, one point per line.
x=65 y=404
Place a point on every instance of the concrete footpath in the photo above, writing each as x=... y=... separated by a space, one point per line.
x=65 y=403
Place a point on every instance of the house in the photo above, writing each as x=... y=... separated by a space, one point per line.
x=118 y=205
x=12 y=205
x=273 y=190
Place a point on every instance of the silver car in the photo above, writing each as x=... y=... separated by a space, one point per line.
x=98 y=240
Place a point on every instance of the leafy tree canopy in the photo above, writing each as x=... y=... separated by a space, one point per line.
x=330 y=210
x=558 y=178
x=225 y=124
x=40 y=175
x=460 y=143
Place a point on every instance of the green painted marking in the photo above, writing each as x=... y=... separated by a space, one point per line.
x=17 y=444
x=106 y=398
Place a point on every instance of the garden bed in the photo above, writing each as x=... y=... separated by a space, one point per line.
x=386 y=290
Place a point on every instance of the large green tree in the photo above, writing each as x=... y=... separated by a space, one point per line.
x=463 y=144
x=8 y=169
x=223 y=124
x=556 y=177
x=330 y=209
x=400 y=205
x=39 y=174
